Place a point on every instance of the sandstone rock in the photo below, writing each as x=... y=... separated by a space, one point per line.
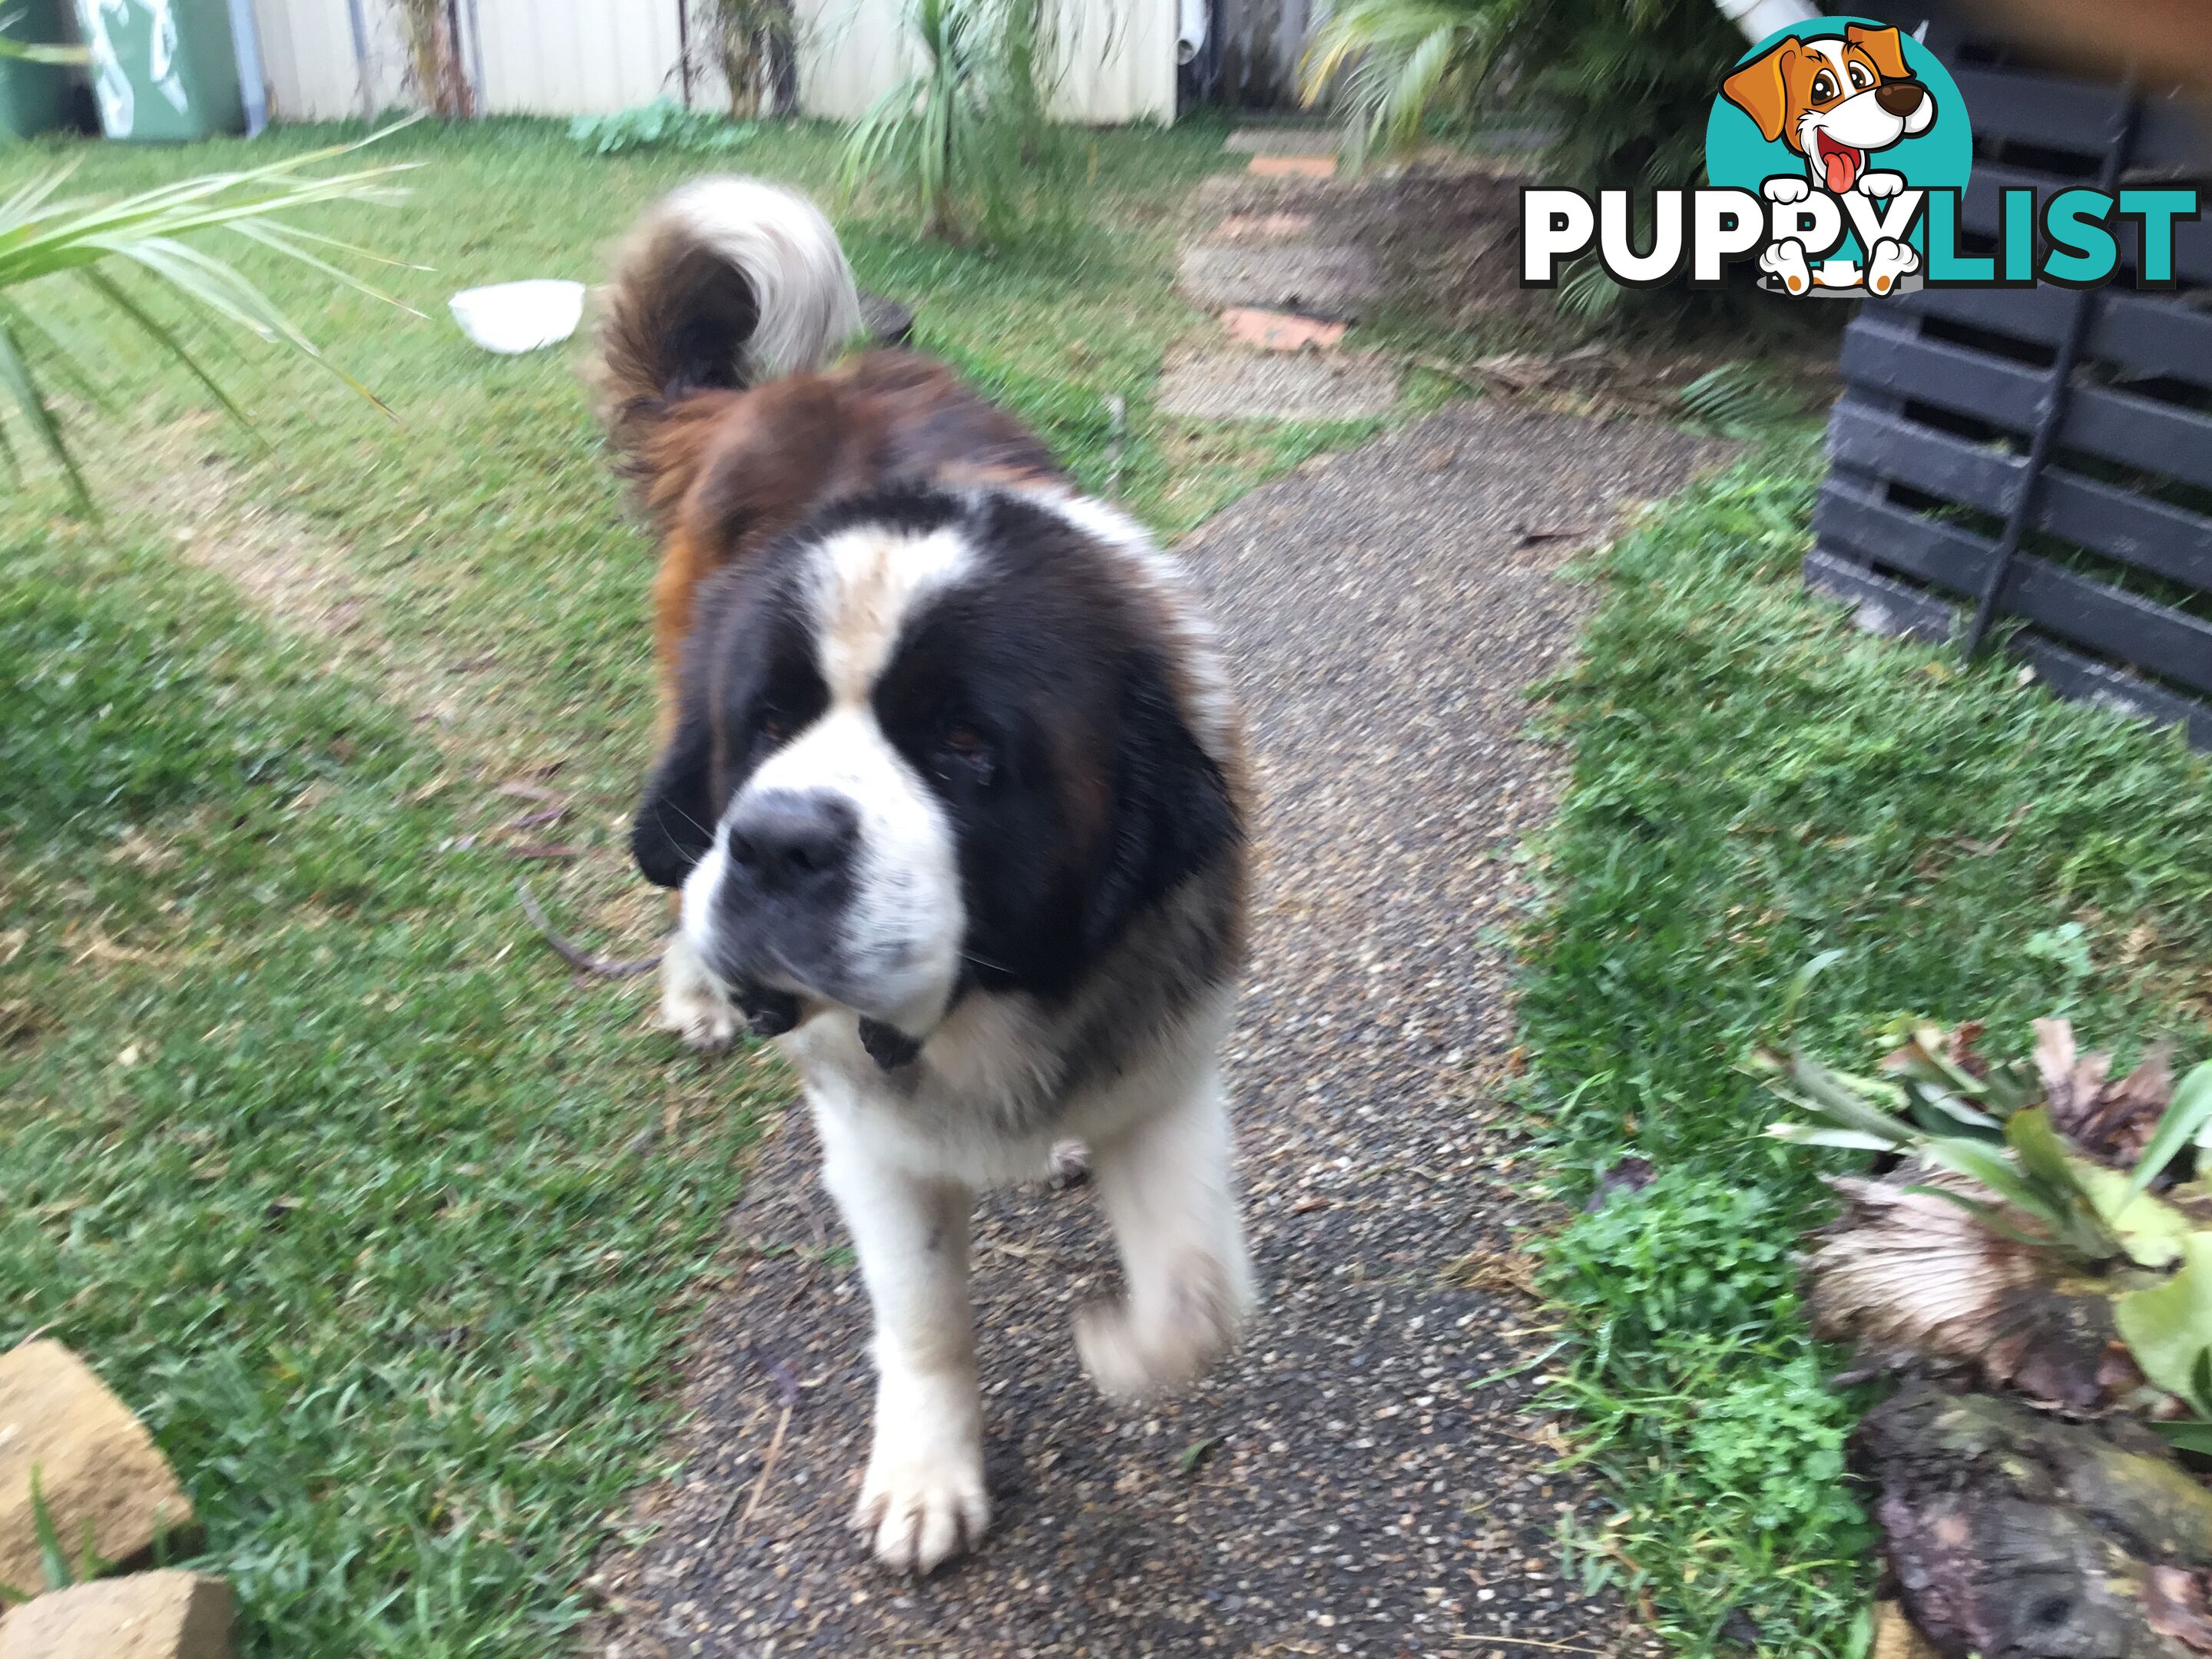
x=95 y=1464
x=148 y=1615
x=1894 y=1636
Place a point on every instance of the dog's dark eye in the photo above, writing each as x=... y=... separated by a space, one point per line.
x=1862 y=78
x=1824 y=87
x=964 y=749
x=771 y=730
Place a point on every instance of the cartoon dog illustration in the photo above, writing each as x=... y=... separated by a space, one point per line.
x=1835 y=99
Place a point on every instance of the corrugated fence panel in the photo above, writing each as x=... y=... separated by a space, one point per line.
x=1118 y=58
x=577 y=57
x=309 y=60
x=851 y=52
x=1117 y=62
x=1259 y=46
x=594 y=57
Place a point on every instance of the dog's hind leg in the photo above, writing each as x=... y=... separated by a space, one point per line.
x=1169 y=1191
x=922 y=1499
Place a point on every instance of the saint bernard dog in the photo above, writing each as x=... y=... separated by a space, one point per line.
x=953 y=789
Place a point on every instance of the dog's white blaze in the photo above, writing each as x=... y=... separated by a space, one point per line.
x=904 y=925
x=868 y=580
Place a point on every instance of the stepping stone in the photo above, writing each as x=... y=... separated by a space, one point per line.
x=1293 y=166
x=1282 y=140
x=1262 y=226
x=1234 y=385
x=1279 y=331
x=1327 y=279
x=148 y=1615
x=97 y=1465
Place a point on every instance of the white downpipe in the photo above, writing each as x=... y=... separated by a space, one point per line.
x=1759 y=18
x=1190 y=29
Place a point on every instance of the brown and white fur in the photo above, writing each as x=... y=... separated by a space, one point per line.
x=953 y=788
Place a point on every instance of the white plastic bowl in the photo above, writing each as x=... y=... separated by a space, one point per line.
x=511 y=318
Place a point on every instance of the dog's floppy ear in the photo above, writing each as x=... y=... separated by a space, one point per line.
x=1760 y=88
x=1170 y=816
x=1885 y=46
x=675 y=821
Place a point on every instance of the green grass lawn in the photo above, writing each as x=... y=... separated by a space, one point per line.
x=1754 y=783
x=388 y=1225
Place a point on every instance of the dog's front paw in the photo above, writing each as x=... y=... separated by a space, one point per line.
x=699 y=1015
x=922 y=1502
x=1785 y=188
x=691 y=1004
x=1891 y=260
x=1785 y=262
x=1129 y=1353
x=1880 y=185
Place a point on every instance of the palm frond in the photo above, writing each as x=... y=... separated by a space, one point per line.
x=1588 y=292
x=1735 y=397
x=45 y=236
x=1389 y=63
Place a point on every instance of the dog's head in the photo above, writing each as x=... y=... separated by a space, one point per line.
x=930 y=741
x=1834 y=99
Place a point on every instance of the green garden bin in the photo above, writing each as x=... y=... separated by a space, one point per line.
x=163 y=70
x=33 y=97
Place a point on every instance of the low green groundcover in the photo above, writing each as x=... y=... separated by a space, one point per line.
x=1753 y=783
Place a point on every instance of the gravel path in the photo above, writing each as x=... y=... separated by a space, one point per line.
x=1343 y=1486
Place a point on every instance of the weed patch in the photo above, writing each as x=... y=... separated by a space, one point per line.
x=1754 y=783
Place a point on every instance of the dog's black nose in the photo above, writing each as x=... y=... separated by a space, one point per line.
x=788 y=841
x=1900 y=97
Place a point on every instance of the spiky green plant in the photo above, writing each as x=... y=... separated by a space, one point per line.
x=955 y=135
x=41 y=52
x=106 y=248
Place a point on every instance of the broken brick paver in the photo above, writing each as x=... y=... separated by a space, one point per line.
x=1279 y=331
x=1283 y=140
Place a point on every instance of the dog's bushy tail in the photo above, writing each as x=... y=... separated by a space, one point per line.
x=723 y=283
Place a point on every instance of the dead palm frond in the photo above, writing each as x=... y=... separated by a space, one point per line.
x=2046 y=1219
